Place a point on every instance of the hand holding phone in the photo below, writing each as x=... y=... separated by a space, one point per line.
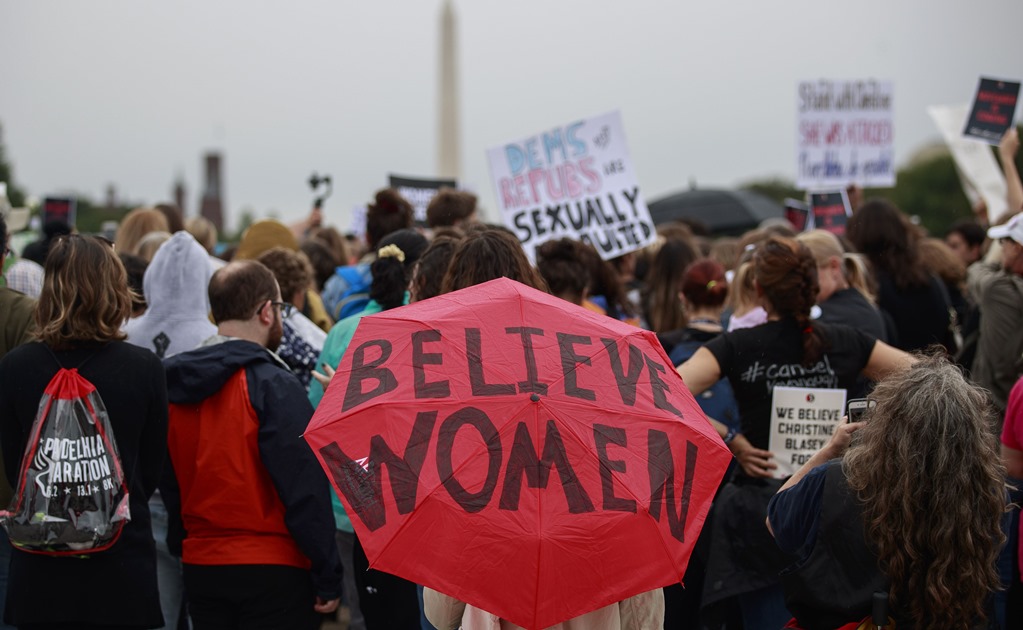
x=858 y=407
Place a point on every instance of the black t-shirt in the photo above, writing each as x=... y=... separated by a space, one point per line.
x=849 y=308
x=757 y=359
x=920 y=313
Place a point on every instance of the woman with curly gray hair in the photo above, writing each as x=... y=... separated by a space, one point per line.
x=913 y=510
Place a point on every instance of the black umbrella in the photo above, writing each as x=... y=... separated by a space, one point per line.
x=724 y=212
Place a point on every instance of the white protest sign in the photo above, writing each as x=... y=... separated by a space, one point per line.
x=978 y=171
x=357 y=225
x=802 y=421
x=573 y=181
x=845 y=134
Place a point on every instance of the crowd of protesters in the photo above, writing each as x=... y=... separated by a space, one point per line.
x=211 y=362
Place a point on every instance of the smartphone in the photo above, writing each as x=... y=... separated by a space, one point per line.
x=858 y=407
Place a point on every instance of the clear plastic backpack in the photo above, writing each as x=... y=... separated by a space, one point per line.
x=71 y=496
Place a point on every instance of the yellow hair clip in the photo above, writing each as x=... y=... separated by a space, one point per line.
x=391 y=251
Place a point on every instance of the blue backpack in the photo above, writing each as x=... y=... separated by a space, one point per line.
x=718 y=401
x=347 y=291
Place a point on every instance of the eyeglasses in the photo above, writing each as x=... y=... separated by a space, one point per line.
x=287 y=309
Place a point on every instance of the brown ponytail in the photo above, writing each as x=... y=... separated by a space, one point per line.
x=787 y=273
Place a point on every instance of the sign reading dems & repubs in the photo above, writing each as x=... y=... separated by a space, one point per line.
x=573 y=181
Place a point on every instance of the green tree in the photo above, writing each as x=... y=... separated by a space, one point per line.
x=14 y=193
x=246 y=218
x=777 y=189
x=928 y=189
x=91 y=217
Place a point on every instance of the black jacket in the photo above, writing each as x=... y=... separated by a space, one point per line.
x=116 y=586
x=283 y=411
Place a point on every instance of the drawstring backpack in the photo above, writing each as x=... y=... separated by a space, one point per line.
x=71 y=496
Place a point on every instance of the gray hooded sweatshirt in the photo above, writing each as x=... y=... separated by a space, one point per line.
x=175 y=286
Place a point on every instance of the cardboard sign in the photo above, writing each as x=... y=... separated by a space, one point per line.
x=802 y=421
x=831 y=210
x=60 y=209
x=992 y=111
x=573 y=181
x=798 y=215
x=978 y=171
x=845 y=134
x=419 y=192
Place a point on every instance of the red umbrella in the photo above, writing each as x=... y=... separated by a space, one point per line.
x=517 y=452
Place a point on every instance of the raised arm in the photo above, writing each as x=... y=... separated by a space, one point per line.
x=700 y=371
x=885 y=359
x=1007 y=149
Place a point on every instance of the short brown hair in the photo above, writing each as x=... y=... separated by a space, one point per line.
x=293 y=270
x=238 y=289
x=388 y=213
x=449 y=206
x=563 y=264
x=431 y=267
x=85 y=294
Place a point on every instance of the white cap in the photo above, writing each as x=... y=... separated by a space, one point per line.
x=1013 y=229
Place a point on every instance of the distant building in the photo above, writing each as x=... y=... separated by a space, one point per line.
x=179 y=195
x=211 y=205
x=111 y=197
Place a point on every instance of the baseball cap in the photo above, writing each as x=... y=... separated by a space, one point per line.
x=1012 y=229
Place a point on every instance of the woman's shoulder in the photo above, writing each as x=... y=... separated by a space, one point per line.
x=125 y=348
x=30 y=353
x=842 y=336
x=30 y=349
x=136 y=360
x=758 y=336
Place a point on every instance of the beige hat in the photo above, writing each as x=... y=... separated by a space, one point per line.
x=15 y=218
x=263 y=235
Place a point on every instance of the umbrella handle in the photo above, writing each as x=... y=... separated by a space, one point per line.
x=879 y=610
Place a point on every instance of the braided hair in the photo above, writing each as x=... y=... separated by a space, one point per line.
x=786 y=272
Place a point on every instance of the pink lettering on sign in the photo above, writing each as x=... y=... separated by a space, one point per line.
x=570 y=180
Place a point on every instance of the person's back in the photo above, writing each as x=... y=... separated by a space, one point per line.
x=84 y=300
x=255 y=504
x=892 y=515
x=908 y=291
x=215 y=436
x=920 y=312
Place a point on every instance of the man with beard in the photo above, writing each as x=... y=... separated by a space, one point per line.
x=258 y=549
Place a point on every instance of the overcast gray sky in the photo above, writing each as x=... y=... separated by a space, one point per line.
x=132 y=93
